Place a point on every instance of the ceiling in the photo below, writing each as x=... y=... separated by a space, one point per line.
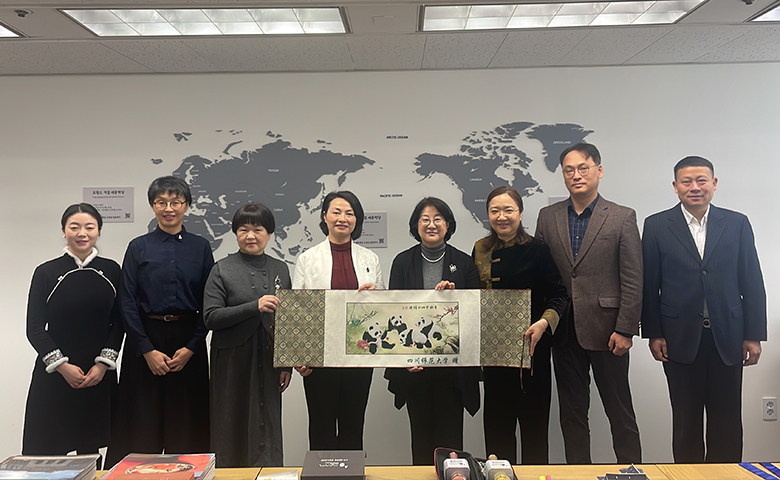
x=384 y=37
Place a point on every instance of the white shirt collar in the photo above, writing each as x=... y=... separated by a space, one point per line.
x=86 y=261
x=691 y=220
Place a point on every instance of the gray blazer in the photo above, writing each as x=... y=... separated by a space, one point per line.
x=605 y=281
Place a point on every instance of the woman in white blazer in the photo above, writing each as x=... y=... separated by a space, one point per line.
x=336 y=398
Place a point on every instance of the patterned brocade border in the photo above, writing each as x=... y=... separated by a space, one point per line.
x=505 y=317
x=300 y=331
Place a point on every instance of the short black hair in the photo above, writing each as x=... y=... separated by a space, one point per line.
x=170 y=184
x=444 y=210
x=353 y=201
x=255 y=214
x=587 y=149
x=81 y=208
x=693 y=162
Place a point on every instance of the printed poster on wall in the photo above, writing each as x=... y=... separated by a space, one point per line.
x=402 y=328
x=115 y=204
x=374 y=233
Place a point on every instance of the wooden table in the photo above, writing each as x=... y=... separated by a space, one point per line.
x=529 y=472
x=523 y=472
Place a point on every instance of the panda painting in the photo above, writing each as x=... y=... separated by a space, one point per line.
x=429 y=328
x=376 y=339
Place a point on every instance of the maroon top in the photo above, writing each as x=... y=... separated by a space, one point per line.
x=343 y=275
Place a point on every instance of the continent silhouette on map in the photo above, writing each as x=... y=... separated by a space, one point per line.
x=276 y=174
x=486 y=158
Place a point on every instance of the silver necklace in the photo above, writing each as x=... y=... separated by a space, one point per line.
x=433 y=261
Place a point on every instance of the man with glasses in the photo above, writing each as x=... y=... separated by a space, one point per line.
x=162 y=402
x=704 y=312
x=596 y=246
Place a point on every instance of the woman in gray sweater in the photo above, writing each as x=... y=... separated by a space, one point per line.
x=239 y=305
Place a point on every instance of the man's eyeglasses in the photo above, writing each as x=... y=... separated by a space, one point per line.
x=175 y=205
x=582 y=170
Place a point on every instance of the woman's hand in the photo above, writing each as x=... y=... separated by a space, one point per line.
x=180 y=359
x=157 y=362
x=72 y=374
x=268 y=303
x=414 y=369
x=535 y=332
x=445 y=285
x=94 y=375
x=284 y=380
x=304 y=371
x=367 y=286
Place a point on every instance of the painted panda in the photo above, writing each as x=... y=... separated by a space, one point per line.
x=429 y=328
x=397 y=324
x=376 y=338
x=412 y=337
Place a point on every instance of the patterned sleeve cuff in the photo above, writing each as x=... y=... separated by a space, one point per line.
x=54 y=359
x=108 y=356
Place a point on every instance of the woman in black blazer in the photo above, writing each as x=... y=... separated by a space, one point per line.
x=434 y=397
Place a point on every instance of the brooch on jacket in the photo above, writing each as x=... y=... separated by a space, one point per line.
x=453 y=268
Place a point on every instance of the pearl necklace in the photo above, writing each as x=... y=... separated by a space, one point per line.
x=433 y=261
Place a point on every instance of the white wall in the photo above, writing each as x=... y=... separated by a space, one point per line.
x=60 y=134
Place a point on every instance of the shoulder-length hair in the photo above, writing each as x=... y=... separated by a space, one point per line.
x=357 y=209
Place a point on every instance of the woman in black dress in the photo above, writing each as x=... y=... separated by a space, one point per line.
x=435 y=397
x=239 y=305
x=509 y=258
x=73 y=323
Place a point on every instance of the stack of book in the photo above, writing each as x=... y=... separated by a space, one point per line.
x=72 y=467
x=199 y=466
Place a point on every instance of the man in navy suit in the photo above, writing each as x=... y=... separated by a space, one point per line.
x=704 y=311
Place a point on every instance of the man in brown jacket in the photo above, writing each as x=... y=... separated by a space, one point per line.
x=596 y=245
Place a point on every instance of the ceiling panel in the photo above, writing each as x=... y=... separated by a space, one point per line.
x=43 y=23
x=275 y=54
x=383 y=18
x=53 y=57
x=386 y=52
x=537 y=48
x=613 y=46
x=725 y=11
x=687 y=43
x=760 y=44
x=162 y=55
x=461 y=50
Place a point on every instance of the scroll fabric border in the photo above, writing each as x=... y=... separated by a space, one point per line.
x=501 y=317
x=300 y=328
x=505 y=316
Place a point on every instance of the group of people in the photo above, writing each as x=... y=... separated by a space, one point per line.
x=693 y=280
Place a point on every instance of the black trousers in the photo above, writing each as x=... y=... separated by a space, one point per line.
x=435 y=413
x=572 y=373
x=170 y=412
x=336 y=399
x=507 y=403
x=706 y=384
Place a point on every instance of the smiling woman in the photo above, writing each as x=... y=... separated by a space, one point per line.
x=74 y=325
x=239 y=305
x=336 y=398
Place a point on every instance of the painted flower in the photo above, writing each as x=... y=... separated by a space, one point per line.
x=362 y=344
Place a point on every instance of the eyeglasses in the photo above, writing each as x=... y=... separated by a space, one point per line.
x=175 y=205
x=437 y=221
x=582 y=170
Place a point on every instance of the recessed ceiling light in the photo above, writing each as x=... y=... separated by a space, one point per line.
x=6 y=33
x=543 y=15
x=209 y=21
x=772 y=15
